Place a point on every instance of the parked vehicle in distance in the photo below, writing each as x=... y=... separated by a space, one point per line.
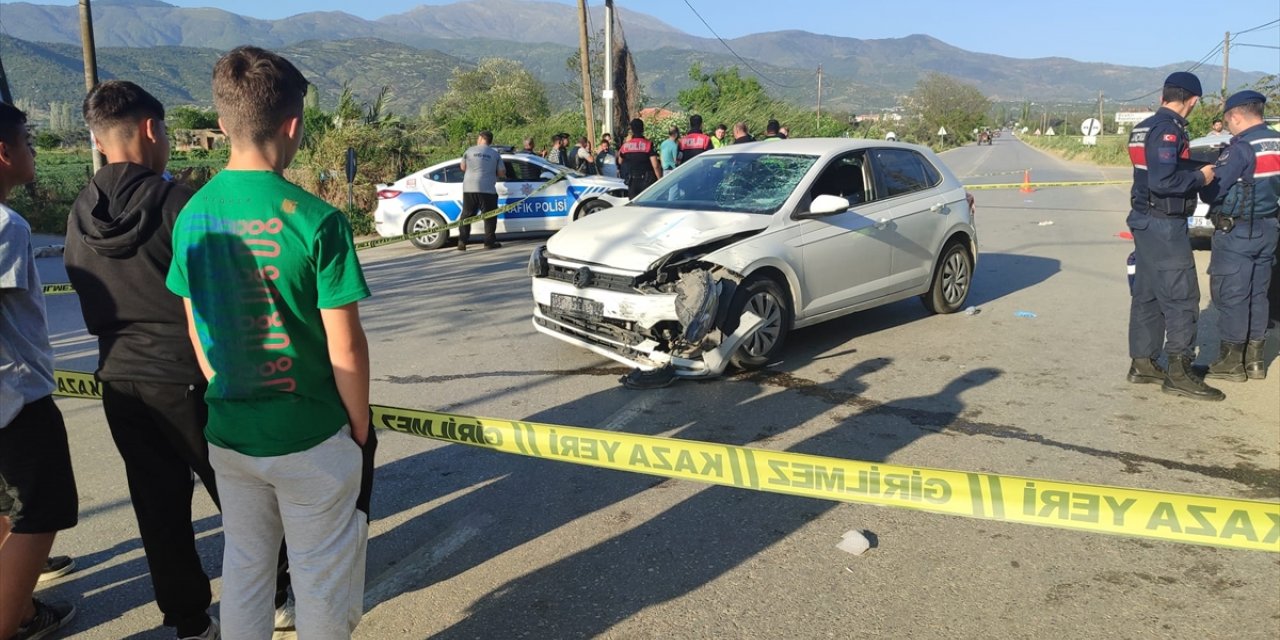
x=719 y=260
x=432 y=198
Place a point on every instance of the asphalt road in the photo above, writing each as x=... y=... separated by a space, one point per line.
x=467 y=543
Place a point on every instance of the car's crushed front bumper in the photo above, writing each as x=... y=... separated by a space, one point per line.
x=619 y=322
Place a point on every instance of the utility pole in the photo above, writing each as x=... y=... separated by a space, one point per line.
x=1101 y=123
x=90 y=68
x=5 y=96
x=584 y=46
x=1226 y=61
x=608 y=70
x=819 y=96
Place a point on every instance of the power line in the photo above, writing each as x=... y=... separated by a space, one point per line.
x=735 y=53
x=1260 y=46
x=1206 y=57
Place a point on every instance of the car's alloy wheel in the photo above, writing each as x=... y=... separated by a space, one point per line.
x=765 y=299
x=951 y=280
x=425 y=221
x=595 y=206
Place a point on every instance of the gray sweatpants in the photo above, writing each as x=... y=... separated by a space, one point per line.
x=310 y=498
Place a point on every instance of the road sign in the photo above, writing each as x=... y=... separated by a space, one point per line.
x=1050 y=132
x=1090 y=141
x=351 y=177
x=942 y=131
x=1091 y=127
x=1133 y=117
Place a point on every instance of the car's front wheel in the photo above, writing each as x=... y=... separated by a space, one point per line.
x=422 y=222
x=951 y=280
x=766 y=299
x=594 y=206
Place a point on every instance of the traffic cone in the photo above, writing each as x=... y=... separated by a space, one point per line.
x=1026 y=181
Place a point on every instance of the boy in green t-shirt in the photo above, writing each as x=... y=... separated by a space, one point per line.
x=271 y=285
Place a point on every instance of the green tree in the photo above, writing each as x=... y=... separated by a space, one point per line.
x=722 y=90
x=191 y=117
x=497 y=93
x=942 y=102
x=46 y=139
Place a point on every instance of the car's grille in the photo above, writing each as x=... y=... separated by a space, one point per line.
x=598 y=280
x=620 y=330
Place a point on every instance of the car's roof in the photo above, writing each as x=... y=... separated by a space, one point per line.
x=505 y=156
x=1212 y=140
x=817 y=146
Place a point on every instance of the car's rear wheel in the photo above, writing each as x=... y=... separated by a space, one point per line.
x=766 y=299
x=423 y=221
x=594 y=206
x=951 y=280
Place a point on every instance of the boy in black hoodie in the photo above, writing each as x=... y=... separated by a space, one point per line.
x=118 y=249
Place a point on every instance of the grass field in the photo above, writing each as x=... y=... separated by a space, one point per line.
x=1112 y=150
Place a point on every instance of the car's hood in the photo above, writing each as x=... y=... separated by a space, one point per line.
x=633 y=238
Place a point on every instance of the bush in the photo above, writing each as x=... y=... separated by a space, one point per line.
x=361 y=221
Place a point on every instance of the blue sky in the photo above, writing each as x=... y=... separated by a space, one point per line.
x=1117 y=31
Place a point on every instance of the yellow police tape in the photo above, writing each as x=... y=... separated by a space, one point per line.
x=1037 y=185
x=1178 y=517
x=66 y=288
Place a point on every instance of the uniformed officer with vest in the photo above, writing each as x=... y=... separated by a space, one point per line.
x=638 y=160
x=1166 y=292
x=1244 y=200
x=694 y=142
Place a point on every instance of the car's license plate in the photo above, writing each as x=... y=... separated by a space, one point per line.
x=576 y=306
x=1201 y=223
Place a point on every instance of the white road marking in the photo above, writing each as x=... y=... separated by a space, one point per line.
x=631 y=410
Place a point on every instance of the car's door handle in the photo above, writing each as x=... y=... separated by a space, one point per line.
x=940 y=207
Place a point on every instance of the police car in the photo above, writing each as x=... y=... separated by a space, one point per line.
x=432 y=197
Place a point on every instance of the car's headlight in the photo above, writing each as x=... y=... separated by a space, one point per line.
x=697 y=297
x=538 y=262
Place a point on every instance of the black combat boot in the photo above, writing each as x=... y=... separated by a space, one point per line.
x=1230 y=363
x=1145 y=371
x=1254 y=366
x=1180 y=381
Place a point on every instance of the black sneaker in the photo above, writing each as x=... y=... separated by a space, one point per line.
x=493 y=245
x=49 y=618
x=56 y=567
x=462 y=245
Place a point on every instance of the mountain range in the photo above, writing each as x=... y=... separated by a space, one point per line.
x=172 y=49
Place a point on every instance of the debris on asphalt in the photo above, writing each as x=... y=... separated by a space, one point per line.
x=972 y=311
x=51 y=251
x=655 y=379
x=1025 y=314
x=854 y=542
x=1046 y=223
x=1125 y=235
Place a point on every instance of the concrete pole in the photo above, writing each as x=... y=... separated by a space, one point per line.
x=90 y=68
x=608 y=69
x=1226 y=61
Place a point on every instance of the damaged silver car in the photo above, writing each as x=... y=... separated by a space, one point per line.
x=715 y=263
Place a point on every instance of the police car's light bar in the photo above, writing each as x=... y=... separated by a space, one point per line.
x=388 y=194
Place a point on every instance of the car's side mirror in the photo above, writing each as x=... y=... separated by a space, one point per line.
x=825 y=205
x=547 y=175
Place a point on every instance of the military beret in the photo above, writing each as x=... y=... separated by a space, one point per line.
x=1243 y=97
x=1184 y=80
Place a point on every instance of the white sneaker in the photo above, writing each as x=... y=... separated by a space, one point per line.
x=286 y=616
x=214 y=632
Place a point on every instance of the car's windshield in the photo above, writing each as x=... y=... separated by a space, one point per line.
x=737 y=182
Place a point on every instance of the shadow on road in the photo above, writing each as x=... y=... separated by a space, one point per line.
x=666 y=557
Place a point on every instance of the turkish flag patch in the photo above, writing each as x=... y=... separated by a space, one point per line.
x=1169 y=137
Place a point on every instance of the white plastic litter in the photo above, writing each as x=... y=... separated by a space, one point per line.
x=1046 y=223
x=972 y=311
x=854 y=542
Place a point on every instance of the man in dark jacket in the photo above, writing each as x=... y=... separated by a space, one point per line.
x=118 y=250
x=1165 y=301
